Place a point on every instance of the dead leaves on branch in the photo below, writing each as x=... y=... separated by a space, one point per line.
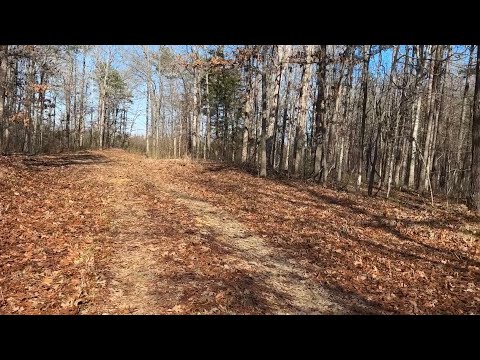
x=193 y=61
x=40 y=88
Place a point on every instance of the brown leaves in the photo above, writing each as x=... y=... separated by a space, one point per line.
x=369 y=247
x=177 y=309
x=218 y=61
x=42 y=234
x=47 y=281
x=40 y=88
x=398 y=257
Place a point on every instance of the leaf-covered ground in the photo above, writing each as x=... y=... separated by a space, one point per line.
x=112 y=232
x=49 y=221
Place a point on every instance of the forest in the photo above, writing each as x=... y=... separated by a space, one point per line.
x=239 y=179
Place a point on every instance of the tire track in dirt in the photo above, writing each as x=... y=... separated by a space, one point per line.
x=277 y=274
x=132 y=263
x=136 y=270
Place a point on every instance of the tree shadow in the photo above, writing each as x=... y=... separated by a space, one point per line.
x=236 y=292
x=240 y=291
x=252 y=291
x=65 y=160
x=370 y=233
x=209 y=166
x=383 y=223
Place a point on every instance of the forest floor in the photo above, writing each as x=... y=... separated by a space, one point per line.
x=116 y=233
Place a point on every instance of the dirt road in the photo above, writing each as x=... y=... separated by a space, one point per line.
x=116 y=233
x=172 y=252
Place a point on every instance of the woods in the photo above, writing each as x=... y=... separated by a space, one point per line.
x=48 y=102
x=387 y=117
x=252 y=179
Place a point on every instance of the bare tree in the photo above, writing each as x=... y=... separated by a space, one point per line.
x=474 y=202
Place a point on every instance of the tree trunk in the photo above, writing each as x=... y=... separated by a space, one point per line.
x=366 y=61
x=320 y=123
x=302 y=112
x=463 y=114
x=284 y=121
x=207 y=133
x=81 y=120
x=103 y=93
x=3 y=87
x=431 y=106
x=248 y=121
x=439 y=114
x=343 y=125
x=474 y=201
x=371 y=180
x=194 y=132
x=263 y=139
x=393 y=150
x=147 y=111
x=416 y=123
x=68 y=101
x=273 y=108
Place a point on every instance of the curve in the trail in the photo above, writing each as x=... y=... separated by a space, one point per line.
x=276 y=284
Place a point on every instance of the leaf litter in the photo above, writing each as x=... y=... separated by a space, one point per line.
x=113 y=232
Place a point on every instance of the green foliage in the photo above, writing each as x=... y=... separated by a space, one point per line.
x=225 y=94
x=116 y=86
x=117 y=89
x=165 y=62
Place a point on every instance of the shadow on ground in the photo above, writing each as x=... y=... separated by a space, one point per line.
x=64 y=160
x=400 y=256
x=240 y=279
x=232 y=289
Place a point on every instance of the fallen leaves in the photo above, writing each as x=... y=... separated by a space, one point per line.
x=177 y=309
x=41 y=232
x=47 y=281
x=401 y=256
x=368 y=247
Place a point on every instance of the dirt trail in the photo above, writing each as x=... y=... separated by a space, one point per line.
x=131 y=265
x=280 y=275
x=133 y=260
x=135 y=285
x=108 y=232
